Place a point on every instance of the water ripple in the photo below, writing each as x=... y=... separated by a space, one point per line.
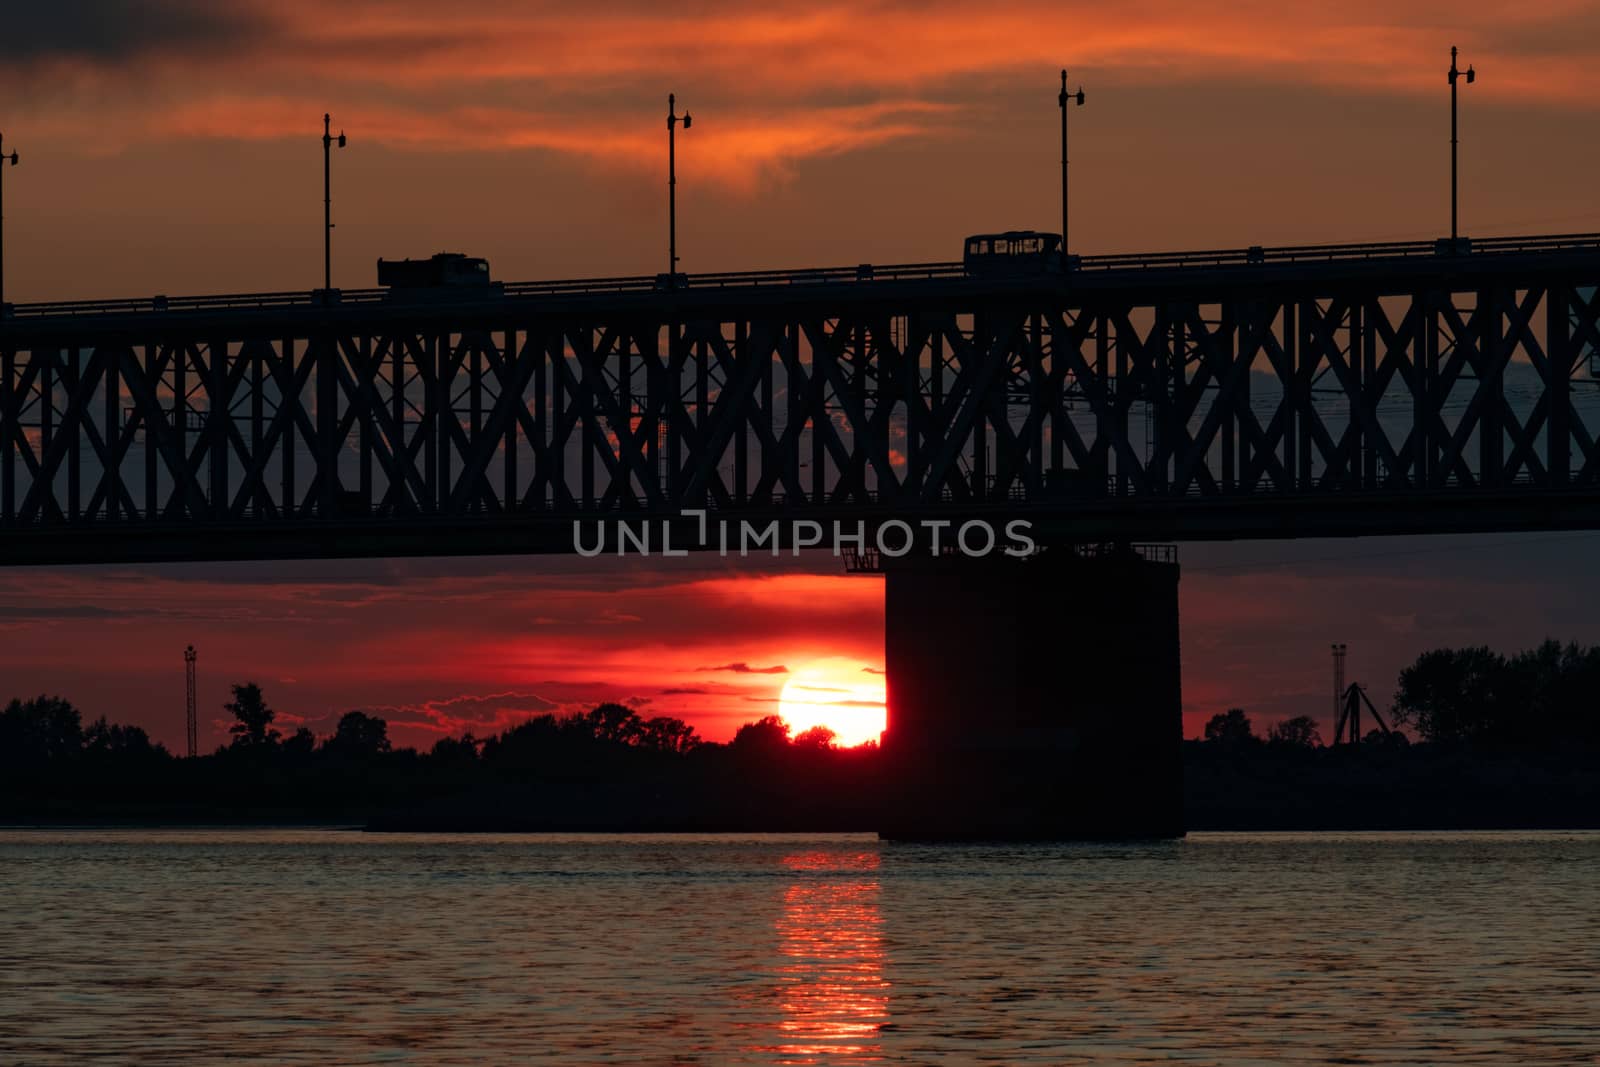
x=306 y=946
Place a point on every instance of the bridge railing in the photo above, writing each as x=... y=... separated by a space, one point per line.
x=625 y=284
x=1327 y=253
x=863 y=273
x=219 y=302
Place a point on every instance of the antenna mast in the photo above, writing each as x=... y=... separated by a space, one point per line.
x=188 y=671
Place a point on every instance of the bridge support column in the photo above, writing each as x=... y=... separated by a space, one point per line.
x=1036 y=698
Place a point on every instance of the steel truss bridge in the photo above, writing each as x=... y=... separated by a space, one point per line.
x=1329 y=390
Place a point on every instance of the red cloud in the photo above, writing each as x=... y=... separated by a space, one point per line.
x=790 y=80
x=745 y=668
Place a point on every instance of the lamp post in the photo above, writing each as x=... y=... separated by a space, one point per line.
x=327 y=200
x=672 y=183
x=1062 y=100
x=4 y=159
x=1454 y=75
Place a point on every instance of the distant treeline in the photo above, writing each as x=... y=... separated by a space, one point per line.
x=50 y=763
x=611 y=768
x=48 y=731
x=1547 y=697
x=1502 y=742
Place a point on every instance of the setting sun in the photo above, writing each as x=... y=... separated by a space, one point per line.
x=843 y=695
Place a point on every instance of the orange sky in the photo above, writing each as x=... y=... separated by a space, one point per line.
x=439 y=646
x=175 y=147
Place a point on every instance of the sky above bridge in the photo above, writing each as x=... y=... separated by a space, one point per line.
x=175 y=147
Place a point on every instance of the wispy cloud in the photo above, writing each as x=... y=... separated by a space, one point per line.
x=478 y=713
x=773 y=85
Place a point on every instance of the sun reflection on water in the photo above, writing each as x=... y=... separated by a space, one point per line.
x=832 y=993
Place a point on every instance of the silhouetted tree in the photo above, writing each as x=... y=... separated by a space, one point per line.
x=616 y=723
x=1230 y=729
x=1456 y=695
x=300 y=744
x=818 y=738
x=523 y=746
x=1298 y=732
x=253 y=719
x=1392 y=739
x=359 y=735
x=768 y=736
x=667 y=735
x=41 y=730
x=463 y=749
x=1545 y=695
x=101 y=737
x=1556 y=690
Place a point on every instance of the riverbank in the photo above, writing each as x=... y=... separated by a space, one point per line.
x=1254 y=788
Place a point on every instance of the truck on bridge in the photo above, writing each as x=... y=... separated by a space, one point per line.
x=454 y=269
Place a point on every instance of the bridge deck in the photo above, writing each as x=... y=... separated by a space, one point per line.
x=1235 y=265
x=1322 y=390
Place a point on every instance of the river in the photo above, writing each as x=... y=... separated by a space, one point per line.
x=334 y=946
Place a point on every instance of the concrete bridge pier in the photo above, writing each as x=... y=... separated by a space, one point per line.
x=1034 y=698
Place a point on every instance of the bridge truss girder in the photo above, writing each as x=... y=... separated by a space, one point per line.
x=1343 y=406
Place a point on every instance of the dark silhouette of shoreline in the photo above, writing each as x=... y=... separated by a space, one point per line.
x=1504 y=742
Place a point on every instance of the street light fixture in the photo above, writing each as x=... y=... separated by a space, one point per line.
x=327 y=200
x=4 y=159
x=1455 y=75
x=1062 y=100
x=672 y=183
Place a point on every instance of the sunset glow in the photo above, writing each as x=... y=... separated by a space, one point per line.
x=469 y=472
x=176 y=149
x=834 y=996
x=840 y=694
